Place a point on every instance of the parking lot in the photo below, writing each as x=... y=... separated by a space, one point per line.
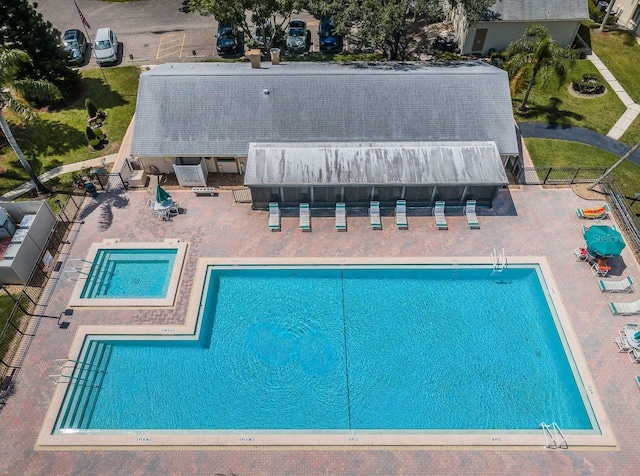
x=148 y=32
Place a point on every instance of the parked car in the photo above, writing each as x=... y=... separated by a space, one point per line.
x=106 y=46
x=227 y=39
x=297 y=36
x=330 y=42
x=262 y=34
x=76 y=44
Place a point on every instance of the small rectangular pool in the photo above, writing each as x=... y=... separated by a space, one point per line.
x=395 y=351
x=129 y=274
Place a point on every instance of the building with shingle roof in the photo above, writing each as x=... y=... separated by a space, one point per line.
x=507 y=20
x=302 y=126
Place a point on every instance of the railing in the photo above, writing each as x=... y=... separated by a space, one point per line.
x=621 y=207
x=554 y=437
x=559 y=175
x=20 y=317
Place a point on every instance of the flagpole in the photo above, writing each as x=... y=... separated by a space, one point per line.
x=85 y=24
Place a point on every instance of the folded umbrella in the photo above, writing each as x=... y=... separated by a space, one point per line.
x=162 y=195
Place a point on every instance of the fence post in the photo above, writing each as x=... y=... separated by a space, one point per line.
x=548 y=173
x=575 y=175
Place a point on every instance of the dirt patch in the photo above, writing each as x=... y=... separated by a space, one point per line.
x=582 y=191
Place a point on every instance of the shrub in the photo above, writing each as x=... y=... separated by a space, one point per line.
x=589 y=84
x=92 y=110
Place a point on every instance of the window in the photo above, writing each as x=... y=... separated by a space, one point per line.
x=636 y=15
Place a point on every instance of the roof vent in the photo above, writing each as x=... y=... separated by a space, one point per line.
x=265 y=92
x=254 y=57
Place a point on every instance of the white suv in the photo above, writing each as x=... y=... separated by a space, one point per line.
x=106 y=46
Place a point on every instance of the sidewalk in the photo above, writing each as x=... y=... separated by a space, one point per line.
x=63 y=169
x=633 y=109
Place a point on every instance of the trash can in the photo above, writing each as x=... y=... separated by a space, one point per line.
x=90 y=188
x=275 y=55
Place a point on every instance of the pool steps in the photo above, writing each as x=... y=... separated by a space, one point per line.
x=84 y=387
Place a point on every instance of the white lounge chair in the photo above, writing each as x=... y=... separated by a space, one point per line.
x=623 y=286
x=470 y=212
x=625 y=308
x=305 y=217
x=374 y=215
x=274 y=216
x=341 y=216
x=401 y=215
x=438 y=212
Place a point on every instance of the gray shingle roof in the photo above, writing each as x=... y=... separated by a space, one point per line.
x=543 y=10
x=217 y=109
x=452 y=163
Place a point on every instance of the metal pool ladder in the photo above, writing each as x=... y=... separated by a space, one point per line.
x=499 y=260
x=554 y=436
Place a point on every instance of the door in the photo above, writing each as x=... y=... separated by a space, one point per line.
x=478 y=40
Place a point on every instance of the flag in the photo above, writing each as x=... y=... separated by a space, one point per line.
x=84 y=20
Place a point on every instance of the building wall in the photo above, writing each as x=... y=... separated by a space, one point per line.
x=501 y=34
x=627 y=10
x=425 y=195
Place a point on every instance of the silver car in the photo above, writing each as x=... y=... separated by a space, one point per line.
x=106 y=46
x=297 y=36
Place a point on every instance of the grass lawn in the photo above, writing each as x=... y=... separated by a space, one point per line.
x=61 y=139
x=632 y=135
x=620 y=52
x=554 y=104
x=559 y=153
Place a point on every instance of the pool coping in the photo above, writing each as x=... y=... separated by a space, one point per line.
x=172 y=290
x=423 y=438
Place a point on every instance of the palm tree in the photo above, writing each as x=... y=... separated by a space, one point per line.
x=536 y=49
x=12 y=92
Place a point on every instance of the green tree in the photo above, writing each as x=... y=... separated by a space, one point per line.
x=277 y=12
x=386 y=25
x=12 y=92
x=533 y=55
x=23 y=28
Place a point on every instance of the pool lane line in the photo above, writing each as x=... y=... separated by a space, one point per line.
x=346 y=356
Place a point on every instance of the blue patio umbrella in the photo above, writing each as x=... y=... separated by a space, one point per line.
x=604 y=241
x=162 y=195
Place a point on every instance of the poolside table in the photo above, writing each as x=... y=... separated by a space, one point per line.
x=630 y=333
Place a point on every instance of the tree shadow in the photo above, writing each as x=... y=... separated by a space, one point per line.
x=51 y=138
x=552 y=113
x=104 y=203
x=100 y=93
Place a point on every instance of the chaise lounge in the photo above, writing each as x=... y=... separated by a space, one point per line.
x=441 y=220
x=401 y=215
x=374 y=215
x=625 y=308
x=470 y=213
x=593 y=213
x=274 y=216
x=305 y=217
x=622 y=286
x=341 y=217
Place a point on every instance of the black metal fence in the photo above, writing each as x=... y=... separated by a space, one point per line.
x=17 y=325
x=559 y=175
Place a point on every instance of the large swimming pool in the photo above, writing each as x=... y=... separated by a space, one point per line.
x=344 y=348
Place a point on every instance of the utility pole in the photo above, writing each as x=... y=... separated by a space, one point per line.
x=611 y=169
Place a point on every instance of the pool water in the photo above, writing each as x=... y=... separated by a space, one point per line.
x=130 y=273
x=404 y=348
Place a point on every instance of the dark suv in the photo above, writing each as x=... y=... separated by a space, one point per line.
x=227 y=39
x=330 y=42
x=76 y=44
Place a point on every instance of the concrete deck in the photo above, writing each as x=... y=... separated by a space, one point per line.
x=527 y=222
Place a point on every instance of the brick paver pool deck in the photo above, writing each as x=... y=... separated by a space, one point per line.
x=527 y=221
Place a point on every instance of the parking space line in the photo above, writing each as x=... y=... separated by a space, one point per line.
x=170 y=45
